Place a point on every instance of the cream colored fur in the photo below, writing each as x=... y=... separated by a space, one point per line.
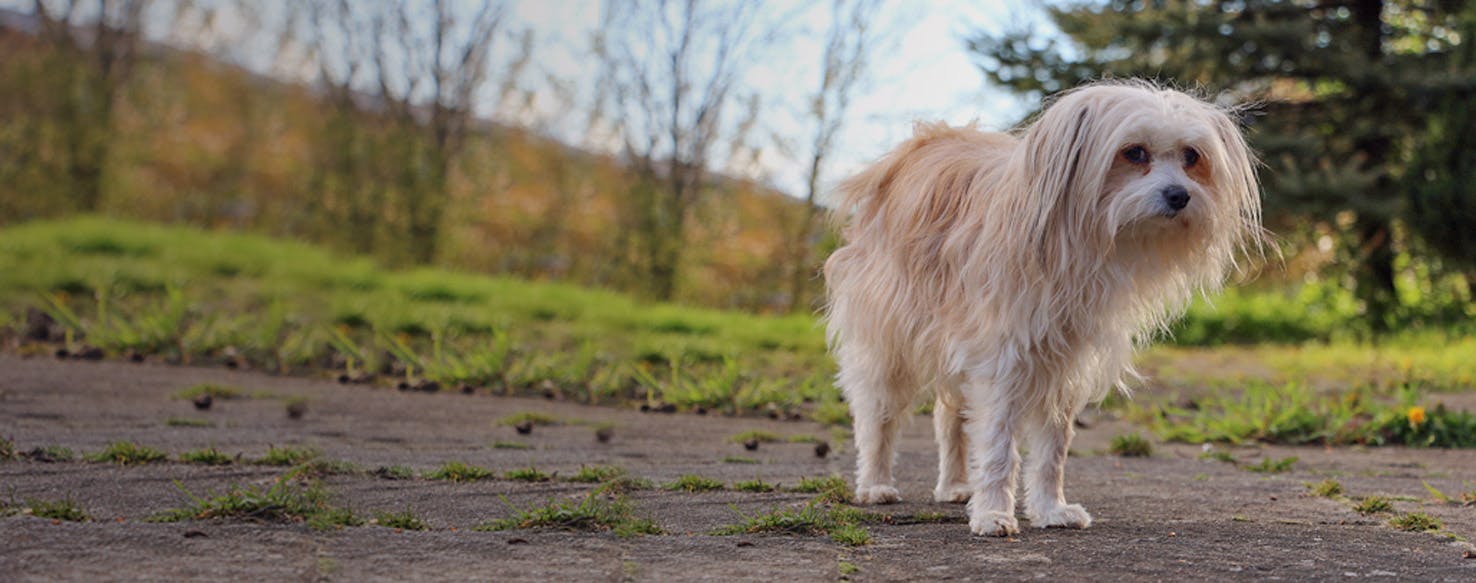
x=1014 y=274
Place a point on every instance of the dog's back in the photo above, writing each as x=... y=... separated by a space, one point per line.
x=915 y=191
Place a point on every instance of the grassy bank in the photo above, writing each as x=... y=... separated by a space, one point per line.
x=186 y=295
x=177 y=294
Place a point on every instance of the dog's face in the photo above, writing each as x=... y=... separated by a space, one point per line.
x=1116 y=163
x=1160 y=176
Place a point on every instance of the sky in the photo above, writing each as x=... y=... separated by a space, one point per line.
x=921 y=71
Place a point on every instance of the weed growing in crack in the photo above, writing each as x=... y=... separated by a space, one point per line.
x=1130 y=445
x=208 y=456
x=592 y=513
x=404 y=519
x=693 y=483
x=831 y=489
x=459 y=472
x=64 y=509
x=287 y=456
x=127 y=453
x=843 y=524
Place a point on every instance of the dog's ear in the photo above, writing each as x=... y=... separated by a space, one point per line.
x=1058 y=155
x=1235 y=180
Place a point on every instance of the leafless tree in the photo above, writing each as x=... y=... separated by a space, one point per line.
x=346 y=190
x=429 y=73
x=848 y=44
x=669 y=70
x=99 y=43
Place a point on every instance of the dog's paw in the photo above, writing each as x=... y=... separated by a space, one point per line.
x=877 y=495
x=956 y=493
x=993 y=523
x=1064 y=516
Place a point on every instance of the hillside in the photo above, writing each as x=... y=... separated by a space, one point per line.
x=197 y=141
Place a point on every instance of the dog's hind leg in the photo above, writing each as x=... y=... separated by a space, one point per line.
x=1049 y=438
x=878 y=405
x=953 y=452
x=991 y=422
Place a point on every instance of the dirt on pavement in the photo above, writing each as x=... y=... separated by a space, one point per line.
x=1171 y=516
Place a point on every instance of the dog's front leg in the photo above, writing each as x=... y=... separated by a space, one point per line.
x=991 y=421
x=1045 y=497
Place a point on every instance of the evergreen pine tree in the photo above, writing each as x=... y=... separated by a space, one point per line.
x=1339 y=93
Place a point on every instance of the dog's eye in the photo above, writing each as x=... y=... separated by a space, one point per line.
x=1191 y=157
x=1136 y=155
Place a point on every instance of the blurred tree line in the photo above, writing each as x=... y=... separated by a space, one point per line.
x=369 y=128
x=1362 y=111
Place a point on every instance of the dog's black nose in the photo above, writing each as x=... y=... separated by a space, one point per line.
x=1176 y=196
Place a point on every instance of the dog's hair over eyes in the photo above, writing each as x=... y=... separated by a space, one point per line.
x=1032 y=261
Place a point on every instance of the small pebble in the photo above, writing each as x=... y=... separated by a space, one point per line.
x=524 y=427
x=822 y=449
x=751 y=444
x=203 y=401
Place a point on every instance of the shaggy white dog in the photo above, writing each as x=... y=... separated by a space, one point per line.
x=1013 y=274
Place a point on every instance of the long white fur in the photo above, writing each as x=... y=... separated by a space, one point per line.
x=1014 y=275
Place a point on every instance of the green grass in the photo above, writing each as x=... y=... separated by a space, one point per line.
x=843 y=524
x=593 y=513
x=455 y=471
x=51 y=453
x=318 y=467
x=195 y=296
x=288 y=499
x=405 y=520
x=1416 y=522
x=1270 y=465
x=65 y=509
x=931 y=517
x=596 y=474
x=1373 y=505
x=1296 y=414
x=1328 y=488
x=756 y=436
x=208 y=456
x=7 y=449
x=188 y=422
x=533 y=417
x=394 y=473
x=830 y=490
x=284 y=306
x=510 y=445
x=1130 y=445
x=693 y=483
x=528 y=474
x=738 y=459
x=624 y=483
x=1219 y=455
x=754 y=485
x=223 y=392
x=127 y=453
x=287 y=456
